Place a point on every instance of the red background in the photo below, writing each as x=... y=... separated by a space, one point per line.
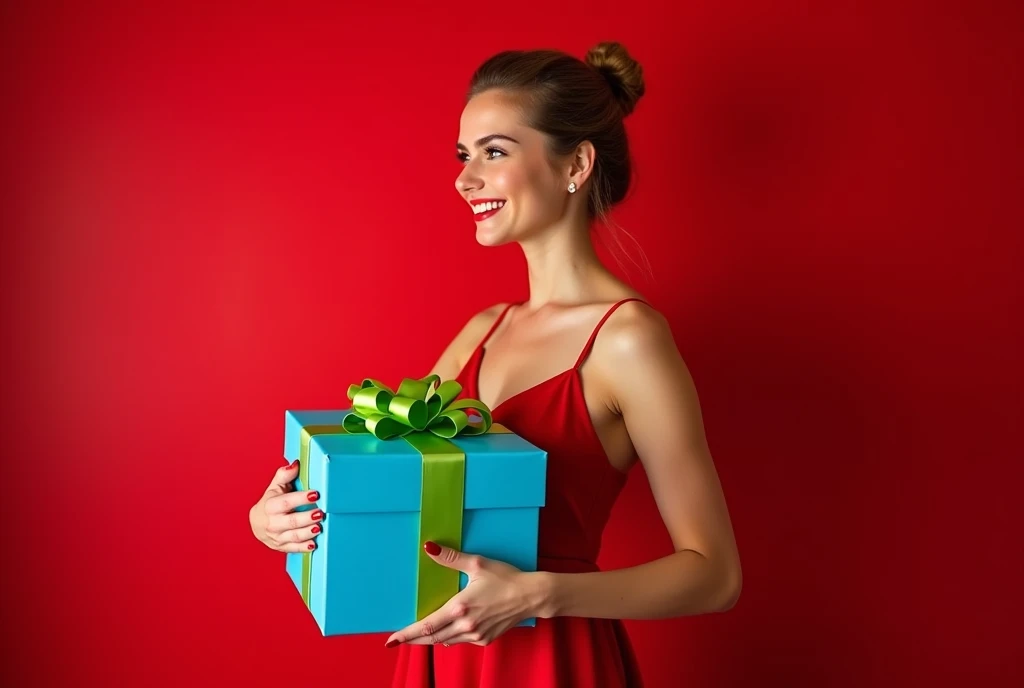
x=211 y=217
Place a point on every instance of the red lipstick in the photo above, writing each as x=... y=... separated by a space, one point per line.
x=477 y=202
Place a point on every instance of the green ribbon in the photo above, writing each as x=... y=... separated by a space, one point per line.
x=425 y=414
x=307 y=434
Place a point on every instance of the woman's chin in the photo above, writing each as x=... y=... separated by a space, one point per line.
x=488 y=235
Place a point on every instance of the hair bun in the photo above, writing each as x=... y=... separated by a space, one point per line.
x=622 y=72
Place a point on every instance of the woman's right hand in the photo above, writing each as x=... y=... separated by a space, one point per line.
x=274 y=520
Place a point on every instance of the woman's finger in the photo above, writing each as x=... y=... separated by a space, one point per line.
x=298 y=540
x=465 y=639
x=462 y=631
x=290 y=501
x=433 y=627
x=450 y=633
x=284 y=479
x=304 y=546
x=296 y=536
x=280 y=524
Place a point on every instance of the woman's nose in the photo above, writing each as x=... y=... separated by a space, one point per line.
x=468 y=180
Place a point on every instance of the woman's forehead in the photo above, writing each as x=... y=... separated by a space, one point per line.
x=492 y=112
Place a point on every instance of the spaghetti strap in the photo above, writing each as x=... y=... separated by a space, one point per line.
x=494 y=325
x=593 y=335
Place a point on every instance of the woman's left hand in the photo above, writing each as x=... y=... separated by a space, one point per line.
x=497 y=597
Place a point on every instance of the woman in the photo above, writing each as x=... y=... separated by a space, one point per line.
x=584 y=369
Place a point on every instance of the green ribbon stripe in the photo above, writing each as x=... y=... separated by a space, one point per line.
x=426 y=417
x=305 y=436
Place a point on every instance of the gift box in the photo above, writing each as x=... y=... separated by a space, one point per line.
x=394 y=470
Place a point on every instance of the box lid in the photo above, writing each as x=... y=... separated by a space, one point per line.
x=359 y=473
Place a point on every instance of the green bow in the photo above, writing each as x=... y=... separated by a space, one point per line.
x=417 y=406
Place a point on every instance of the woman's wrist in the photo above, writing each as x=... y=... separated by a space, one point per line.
x=539 y=594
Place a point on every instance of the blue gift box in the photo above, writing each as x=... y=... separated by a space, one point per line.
x=363 y=573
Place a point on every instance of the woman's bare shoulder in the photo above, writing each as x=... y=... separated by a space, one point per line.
x=635 y=325
x=458 y=351
x=636 y=336
x=478 y=325
x=485 y=318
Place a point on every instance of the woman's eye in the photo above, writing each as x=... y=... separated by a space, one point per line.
x=491 y=154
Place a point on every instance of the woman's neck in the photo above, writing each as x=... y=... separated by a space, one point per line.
x=563 y=267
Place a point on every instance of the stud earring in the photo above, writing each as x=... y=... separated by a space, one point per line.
x=572 y=187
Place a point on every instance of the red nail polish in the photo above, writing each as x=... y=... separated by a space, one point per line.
x=317 y=515
x=315 y=529
x=432 y=548
x=391 y=643
x=313 y=496
x=293 y=464
x=310 y=546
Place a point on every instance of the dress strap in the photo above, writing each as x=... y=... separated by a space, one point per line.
x=593 y=335
x=494 y=325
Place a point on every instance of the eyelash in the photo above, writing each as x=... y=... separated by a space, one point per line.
x=461 y=157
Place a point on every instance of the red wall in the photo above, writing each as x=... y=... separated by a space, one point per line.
x=210 y=218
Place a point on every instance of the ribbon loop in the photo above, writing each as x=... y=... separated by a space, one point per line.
x=371 y=400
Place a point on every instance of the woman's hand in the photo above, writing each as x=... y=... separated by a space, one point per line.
x=274 y=520
x=497 y=597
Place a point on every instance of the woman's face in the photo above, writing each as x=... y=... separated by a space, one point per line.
x=507 y=178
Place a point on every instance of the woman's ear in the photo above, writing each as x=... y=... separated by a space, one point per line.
x=581 y=163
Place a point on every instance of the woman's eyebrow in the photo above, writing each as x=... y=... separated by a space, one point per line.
x=485 y=140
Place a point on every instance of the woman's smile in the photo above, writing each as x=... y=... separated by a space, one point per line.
x=486 y=207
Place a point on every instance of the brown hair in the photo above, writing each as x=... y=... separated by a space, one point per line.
x=572 y=101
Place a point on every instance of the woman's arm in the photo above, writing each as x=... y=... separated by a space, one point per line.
x=637 y=357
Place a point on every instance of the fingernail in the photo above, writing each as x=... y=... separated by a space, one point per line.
x=317 y=515
x=310 y=546
x=292 y=464
x=432 y=548
x=391 y=643
x=315 y=529
x=313 y=496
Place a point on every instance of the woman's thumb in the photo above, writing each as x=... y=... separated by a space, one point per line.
x=284 y=478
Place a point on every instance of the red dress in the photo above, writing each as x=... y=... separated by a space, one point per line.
x=563 y=652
